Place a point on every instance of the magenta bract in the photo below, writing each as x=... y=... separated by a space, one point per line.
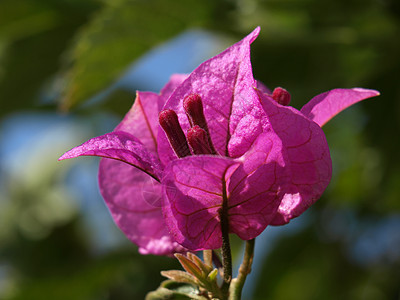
x=267 y=161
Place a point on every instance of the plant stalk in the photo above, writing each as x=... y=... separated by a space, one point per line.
x=237 y=283
x=226 y=247
x=208 y=257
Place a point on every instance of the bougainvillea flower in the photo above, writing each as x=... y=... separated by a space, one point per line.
x=215 y=145
x=133 y=194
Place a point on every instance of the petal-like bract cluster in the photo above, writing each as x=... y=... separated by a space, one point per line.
x=246 y=148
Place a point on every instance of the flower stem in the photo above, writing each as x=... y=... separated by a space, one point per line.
x=226 y=247
x=208 y=257
x=227 y=259
x=244 y=270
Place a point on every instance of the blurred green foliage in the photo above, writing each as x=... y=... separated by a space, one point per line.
x=80 y=47
x=34 y=34
x=319 y=270
x=121 y=31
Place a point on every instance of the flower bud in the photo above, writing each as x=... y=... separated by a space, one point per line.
x=193 y=106
x=170 y=124
x=281 y=96
x=198 y=140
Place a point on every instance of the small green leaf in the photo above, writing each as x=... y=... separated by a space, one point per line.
x=190 y=266
x=165 y=294
x=172 y=290
x=213 y=275
x=180 y=276
x=193 y=257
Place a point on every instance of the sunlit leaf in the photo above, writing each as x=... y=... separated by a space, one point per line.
x=118 y=35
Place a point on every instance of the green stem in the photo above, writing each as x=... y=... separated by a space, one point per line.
x=226 y=258
x=208 y=257
x=244 y=270
x=226 y=247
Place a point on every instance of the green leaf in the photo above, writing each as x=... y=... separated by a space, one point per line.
x=119 y=34
x=180 y=276
x=172 y=290
x=213 y=275
x=195 y=259
x=190 y=266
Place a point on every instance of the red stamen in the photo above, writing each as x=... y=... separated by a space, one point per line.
x=194 y=110
x=193 y=106
x=281 y=96
x=169 y=122
x=198 y=140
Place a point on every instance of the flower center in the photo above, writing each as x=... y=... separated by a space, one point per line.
x=198 y=138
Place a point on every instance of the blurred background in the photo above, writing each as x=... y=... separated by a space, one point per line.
x=69 y=70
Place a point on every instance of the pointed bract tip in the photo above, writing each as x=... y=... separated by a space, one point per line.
x=67 y=155
x=254 y=34
x=374 y=93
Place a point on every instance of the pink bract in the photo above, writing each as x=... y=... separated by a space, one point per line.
x=272 y=161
